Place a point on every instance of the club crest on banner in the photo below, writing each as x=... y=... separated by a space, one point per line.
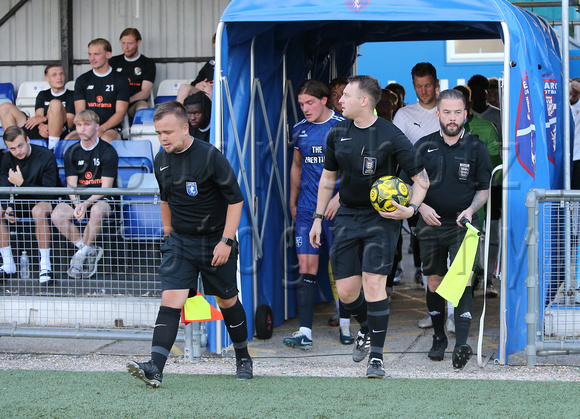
x=526 y=129
x=552 y=99
x=191 y=188
x=356 y=5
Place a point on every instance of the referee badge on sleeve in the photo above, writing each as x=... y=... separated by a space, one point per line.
x=369 y=166
x=191 y=188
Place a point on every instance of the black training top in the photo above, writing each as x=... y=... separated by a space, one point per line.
x=101 y=93
x=136 y=71
x=455 y=171
x=199 y=134
x=198 y=184
x=90 y=166
x=364 y=155
x=206 y=73
x=45 y=96
x=38 y=169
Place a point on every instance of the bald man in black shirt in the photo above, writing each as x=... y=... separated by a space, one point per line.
x=201 y=206
x=459 y=166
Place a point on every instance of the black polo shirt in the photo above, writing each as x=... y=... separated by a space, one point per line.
x=456 y=172
x=198 y=184
x=364 y=155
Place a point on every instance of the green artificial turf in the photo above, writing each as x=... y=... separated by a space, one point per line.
x=52 y=394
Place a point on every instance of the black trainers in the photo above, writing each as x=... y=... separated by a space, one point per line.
x=437 y=351
x=461 y=355
x=244 y=369
x=147 y=372
x=375 y=368
x=362 y=345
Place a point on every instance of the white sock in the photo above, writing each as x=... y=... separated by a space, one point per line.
x=7 y=260
x=45 y=259
x=85 y=250
x=450 y=311
x=306 y=331
x=344 y=322
x=79 y=245
x=337 y=302
x=52 y=142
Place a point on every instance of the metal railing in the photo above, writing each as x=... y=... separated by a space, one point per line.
x=553 y=281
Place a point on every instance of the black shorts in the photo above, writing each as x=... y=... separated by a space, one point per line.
x=23 y=209
x=184 y=258
x=363 y=242
x=34 y=134
x=437 y=243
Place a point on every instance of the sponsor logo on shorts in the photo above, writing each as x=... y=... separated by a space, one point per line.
x=191 y=188
x=299 y=241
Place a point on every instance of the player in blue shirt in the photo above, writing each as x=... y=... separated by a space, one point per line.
x=309 y=137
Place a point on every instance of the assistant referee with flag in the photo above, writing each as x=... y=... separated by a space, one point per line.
x=459 y=168
x=201 y=206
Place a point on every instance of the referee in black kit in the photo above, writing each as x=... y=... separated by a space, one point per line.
x=201 y=206
x=363 y=149
x=459 y=168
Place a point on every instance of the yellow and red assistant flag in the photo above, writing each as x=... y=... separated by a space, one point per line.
x=197 y=309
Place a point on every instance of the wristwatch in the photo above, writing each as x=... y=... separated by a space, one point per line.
x=228 y=241
x=317 y=215
x=415 y=208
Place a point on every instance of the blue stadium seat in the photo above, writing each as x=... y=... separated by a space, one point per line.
x=6 y=92
x=168 y=89
x=59 y=151
x=144 y=116
x=141 y=217
x=134 y=157
x=143 y=128
x=40 y=142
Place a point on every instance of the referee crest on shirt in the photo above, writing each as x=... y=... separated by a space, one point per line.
x=191 y=188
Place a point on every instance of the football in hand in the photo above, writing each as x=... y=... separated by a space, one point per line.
x=387 y=189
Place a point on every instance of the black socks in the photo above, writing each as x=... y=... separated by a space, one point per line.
x=306 y=299
x=378 y=319
x=463 y=317
x=164 y=335
x=235 y=320
x=358 y=309
x=436 y=306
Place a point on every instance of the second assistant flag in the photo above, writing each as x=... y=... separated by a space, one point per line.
x=455 y=281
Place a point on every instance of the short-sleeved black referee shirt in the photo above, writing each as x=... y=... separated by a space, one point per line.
x=198 y=184
x=456 y=172
x=364 y=155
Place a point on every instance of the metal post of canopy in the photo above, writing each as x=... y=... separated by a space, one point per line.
x=505 y=184
x=253 y=176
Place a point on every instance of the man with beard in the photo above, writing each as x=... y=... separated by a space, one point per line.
x=459 y=168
